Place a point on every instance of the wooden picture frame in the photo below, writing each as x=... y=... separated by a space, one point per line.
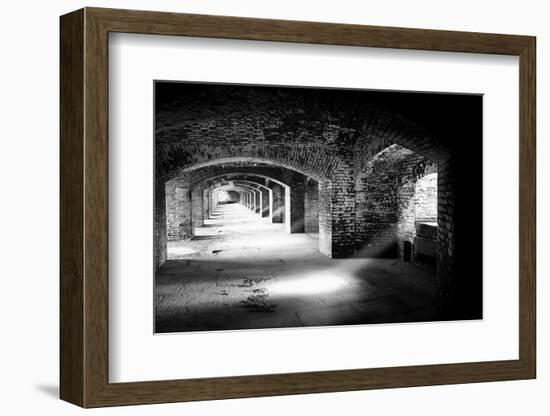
x=84 y=207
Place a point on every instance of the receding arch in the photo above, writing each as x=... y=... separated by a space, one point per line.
x=237 y=173
x=208 y=205
x=272 y=203
x=251 y=161
x=265 y=182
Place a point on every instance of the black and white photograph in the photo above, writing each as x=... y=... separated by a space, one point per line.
x=280 y=207
x=248 y=208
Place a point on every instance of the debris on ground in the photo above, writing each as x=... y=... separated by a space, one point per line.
x=250 y=281
x=258 y=302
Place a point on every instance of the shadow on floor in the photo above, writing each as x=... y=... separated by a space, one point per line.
x=51 y=390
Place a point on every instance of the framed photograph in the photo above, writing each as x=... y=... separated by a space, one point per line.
x=255 y=207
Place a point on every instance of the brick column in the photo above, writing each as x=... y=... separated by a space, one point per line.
x=265 y=202
x=160 y=225
x=311 y=207
x=206 y=204
x=297 y=217
x=178 y=211
x=197 y=217
x=278 y=204
x=211 y=204
x=325 y=219
x=270 y=201
x=342 y=214
x=213 y=201
x=258 y=200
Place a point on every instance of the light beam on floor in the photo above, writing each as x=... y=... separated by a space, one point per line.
x=313 y=283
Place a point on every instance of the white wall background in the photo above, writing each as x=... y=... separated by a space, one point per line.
x=29 y=209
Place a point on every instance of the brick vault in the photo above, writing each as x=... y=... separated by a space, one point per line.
x=373 y=174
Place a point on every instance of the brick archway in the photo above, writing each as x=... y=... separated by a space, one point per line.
x=283 y=196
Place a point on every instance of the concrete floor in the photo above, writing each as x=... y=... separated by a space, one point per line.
x=243 y=272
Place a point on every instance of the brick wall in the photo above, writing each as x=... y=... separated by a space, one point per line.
x=446 y=232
